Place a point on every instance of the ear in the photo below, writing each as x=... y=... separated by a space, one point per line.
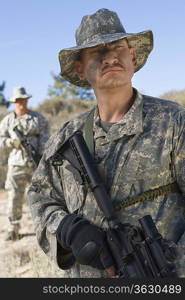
x=79 y=69
x=134 y=56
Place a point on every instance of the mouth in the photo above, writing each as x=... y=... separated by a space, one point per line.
x=112 y=70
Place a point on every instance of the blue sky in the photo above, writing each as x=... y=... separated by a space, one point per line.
x=34 y=31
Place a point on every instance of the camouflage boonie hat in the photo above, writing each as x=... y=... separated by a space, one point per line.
x=19 y=93
x=101 y=28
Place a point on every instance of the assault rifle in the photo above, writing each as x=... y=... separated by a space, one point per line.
x=33 y=156
x=138 y=251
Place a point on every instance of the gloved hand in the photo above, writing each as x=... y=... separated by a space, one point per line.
x=14 y=143
x=86 y=241
x=169 y=249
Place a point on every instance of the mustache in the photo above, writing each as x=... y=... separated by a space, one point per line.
x=112 y=66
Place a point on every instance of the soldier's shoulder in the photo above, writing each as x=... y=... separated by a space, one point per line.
x=73 y=124
x=64 y=132
x=9 y=116
x=78 y=120
x=36 y=114
x=163 y=105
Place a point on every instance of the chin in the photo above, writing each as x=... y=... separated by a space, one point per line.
x=111 y=83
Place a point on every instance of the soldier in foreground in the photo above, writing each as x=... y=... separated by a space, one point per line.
x=21 y=131
x=138 y=143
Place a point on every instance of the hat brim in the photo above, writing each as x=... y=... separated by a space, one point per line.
x=13 y=99
x=142 y=42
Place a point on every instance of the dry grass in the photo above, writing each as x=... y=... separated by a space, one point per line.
x=23 y=258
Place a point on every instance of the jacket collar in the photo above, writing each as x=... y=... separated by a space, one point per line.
x=130 y=124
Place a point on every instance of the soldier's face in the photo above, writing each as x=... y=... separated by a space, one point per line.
x=21 y=104
x=107 y=66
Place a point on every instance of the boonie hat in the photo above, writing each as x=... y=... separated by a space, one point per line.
x=102 y=27
x=19 y=93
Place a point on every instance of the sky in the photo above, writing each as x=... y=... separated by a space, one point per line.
x=33 y=32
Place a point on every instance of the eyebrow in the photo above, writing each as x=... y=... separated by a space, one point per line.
x=96 y=48
x=108 y=44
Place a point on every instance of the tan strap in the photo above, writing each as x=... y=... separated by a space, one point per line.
x=88 y=132
x=171 y=188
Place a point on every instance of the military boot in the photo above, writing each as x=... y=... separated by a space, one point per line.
x=12 y=236
x=13 y=232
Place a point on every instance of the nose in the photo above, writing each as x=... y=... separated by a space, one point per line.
x=109 y=58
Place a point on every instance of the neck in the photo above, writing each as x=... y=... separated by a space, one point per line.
x=113 y=104
x=21 y=112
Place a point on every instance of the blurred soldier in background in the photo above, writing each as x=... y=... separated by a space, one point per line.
x=34 y=130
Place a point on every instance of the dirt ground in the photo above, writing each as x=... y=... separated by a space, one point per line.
x=22 y=258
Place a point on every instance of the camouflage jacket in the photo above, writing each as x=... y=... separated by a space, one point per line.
x=143 y=151
x=33 y=125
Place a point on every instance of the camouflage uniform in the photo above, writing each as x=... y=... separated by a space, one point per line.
x=143 y=151
x=35 y=127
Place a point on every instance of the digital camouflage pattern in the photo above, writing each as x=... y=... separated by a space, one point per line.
x=18 y=178
x=101 y=28
x=143 y=151
x=35 y=127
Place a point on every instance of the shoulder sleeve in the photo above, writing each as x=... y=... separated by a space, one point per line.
x=178 y=155
x=47 y=205
x=4 y=132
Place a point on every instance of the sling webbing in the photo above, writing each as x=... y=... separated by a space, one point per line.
x=171 y=188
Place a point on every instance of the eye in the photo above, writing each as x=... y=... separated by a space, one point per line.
x=94 y=52
x=119 y=47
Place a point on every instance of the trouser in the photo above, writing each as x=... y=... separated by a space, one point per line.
x=18 y=178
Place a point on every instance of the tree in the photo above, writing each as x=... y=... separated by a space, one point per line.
x=67 y=90
x=173 y=95
x=3 y=101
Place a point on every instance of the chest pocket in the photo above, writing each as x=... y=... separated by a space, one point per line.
x=73 y=188
x=154 y=174
x=28 y=125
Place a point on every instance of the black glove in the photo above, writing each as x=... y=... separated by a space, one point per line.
x=86 y=241
x=169 y=249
